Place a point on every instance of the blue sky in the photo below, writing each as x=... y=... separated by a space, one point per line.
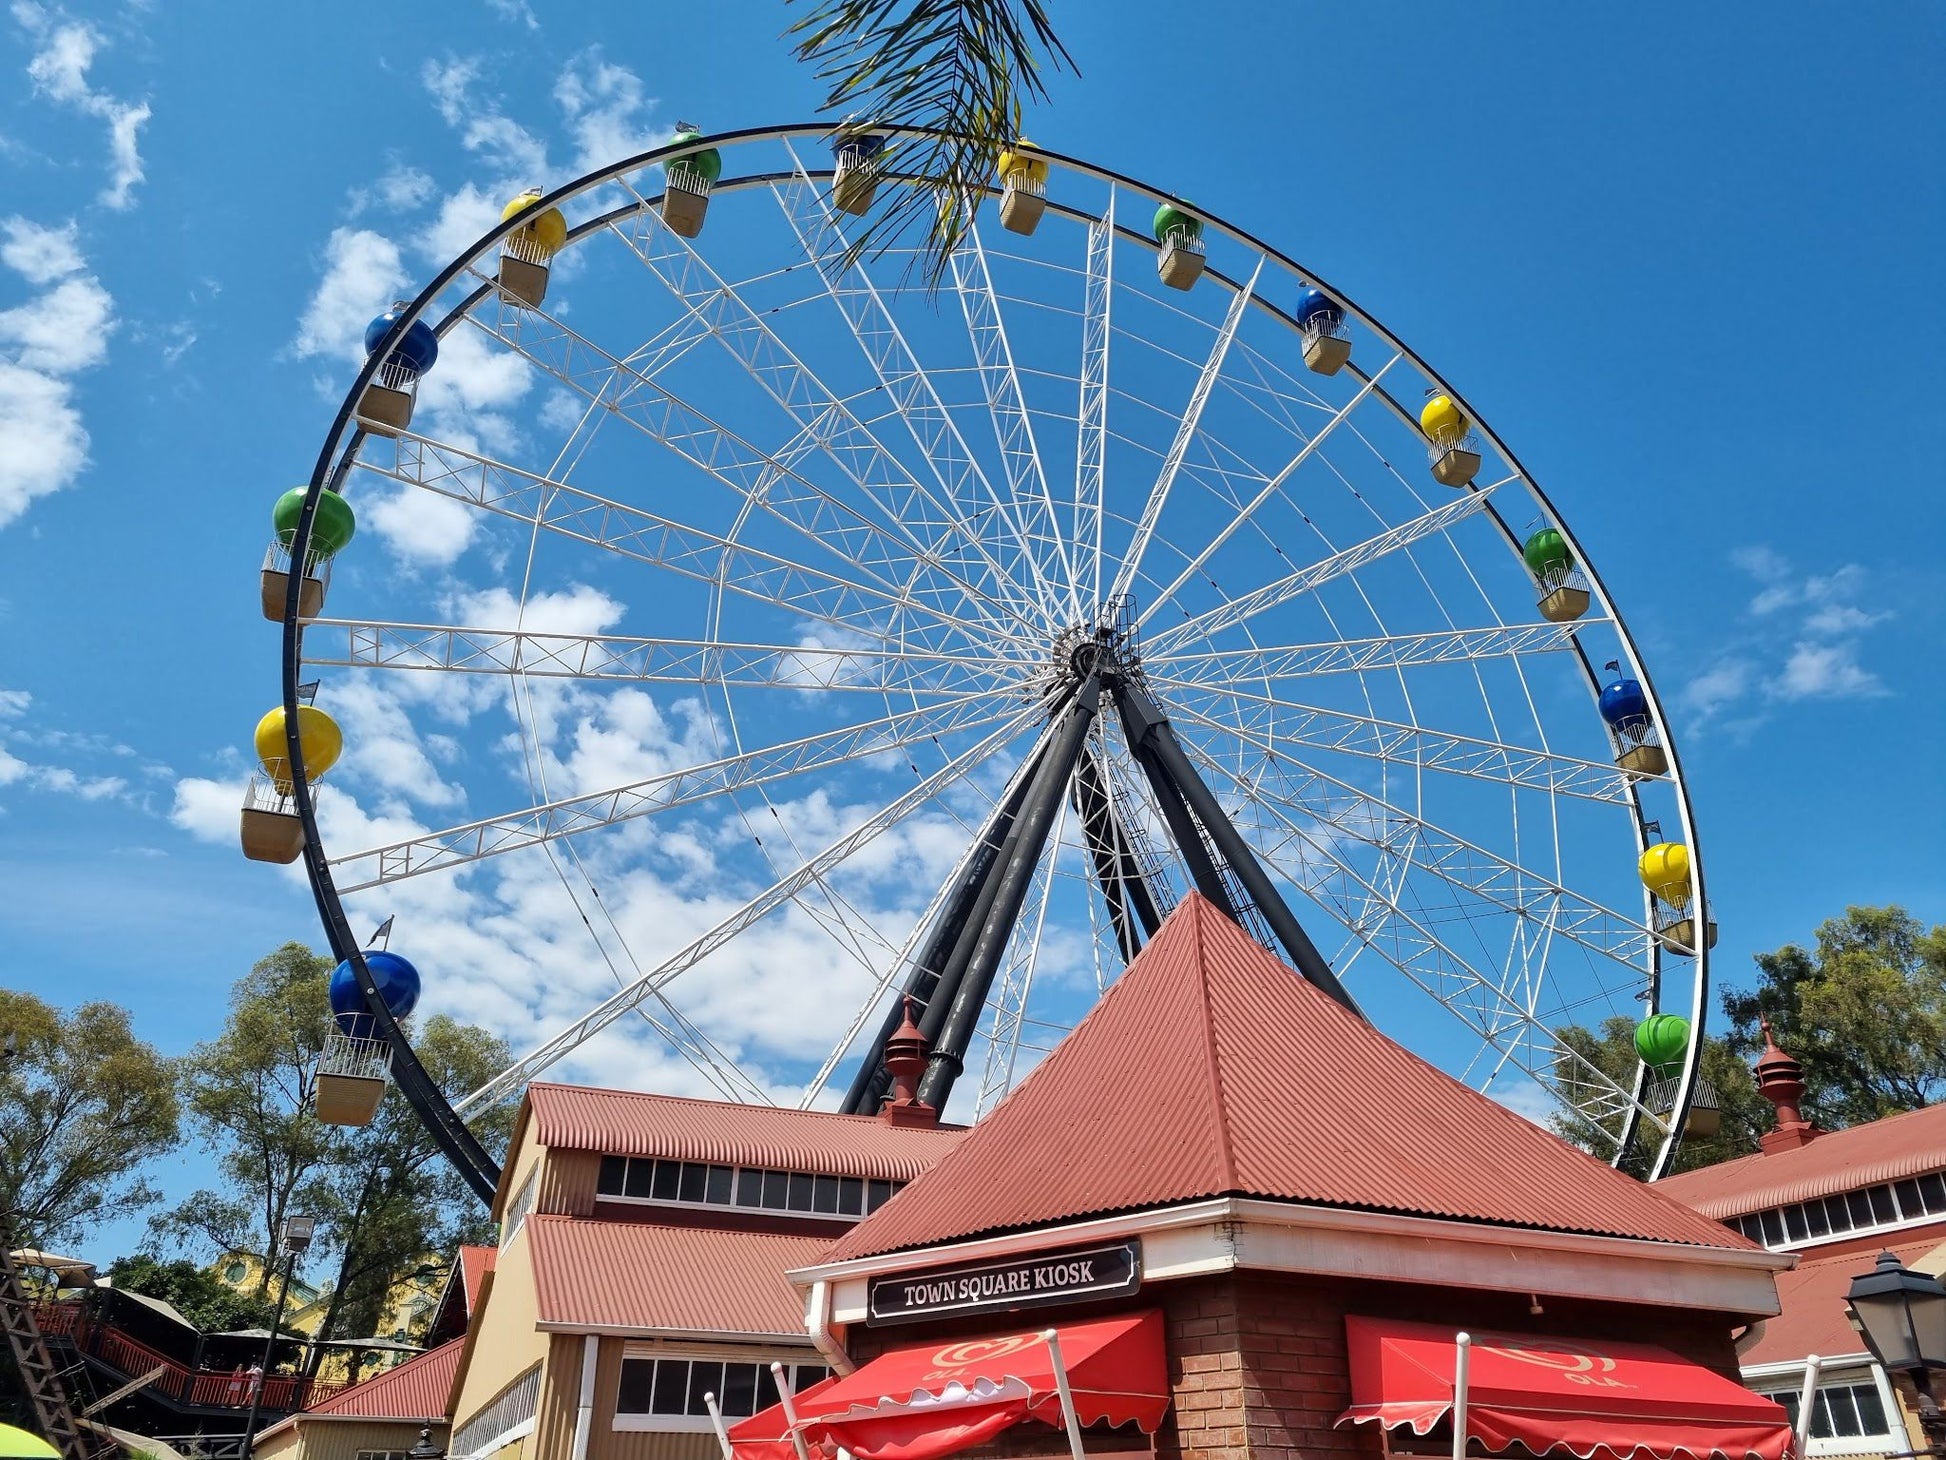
x=1683 y=260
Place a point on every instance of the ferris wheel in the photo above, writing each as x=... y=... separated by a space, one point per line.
x=978 y=628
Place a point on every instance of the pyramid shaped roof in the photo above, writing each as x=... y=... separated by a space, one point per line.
x=1211 y=1069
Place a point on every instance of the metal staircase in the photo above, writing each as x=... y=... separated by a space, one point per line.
x=37 y=1371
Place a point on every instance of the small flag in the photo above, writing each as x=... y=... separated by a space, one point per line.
x=1614 y=664
x=308 y=693
x=1652 y=829
x=381 y=935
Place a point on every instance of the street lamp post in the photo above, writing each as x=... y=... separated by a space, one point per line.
x=1901 y=1315
x=296 y=1237
x=424 y=1448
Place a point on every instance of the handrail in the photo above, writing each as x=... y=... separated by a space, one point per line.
x=205 y=1388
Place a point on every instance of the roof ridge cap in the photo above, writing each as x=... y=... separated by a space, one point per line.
x=1225 y=1147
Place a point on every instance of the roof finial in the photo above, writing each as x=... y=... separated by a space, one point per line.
x=905 y=1060
x=1780 y=1080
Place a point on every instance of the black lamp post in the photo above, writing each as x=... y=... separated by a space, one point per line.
x=296 y=1237
x=1901 y=1315
x=423 y=1448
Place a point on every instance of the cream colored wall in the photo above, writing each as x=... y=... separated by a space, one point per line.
x=332 y=1439
x=505 y=1344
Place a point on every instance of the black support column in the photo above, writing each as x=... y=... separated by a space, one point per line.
x=972 y=891
x=985 y=941
x=1154 y=741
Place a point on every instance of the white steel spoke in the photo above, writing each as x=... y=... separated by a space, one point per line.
x=839 y=433
x=1186 y=428
x=649 y=537
x=1308 y=579
x=1013 y=428
x=1348 y=656
x=1285 y=722
x=1376 y=919
x=906 y=382
x=1270 y=489
x=1461 y=864
x=780 y=891
x=890 y=555
x=1091 y=446
x=459 y=845
x=373 y=645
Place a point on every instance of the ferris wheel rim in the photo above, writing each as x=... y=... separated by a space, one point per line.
x=339 y=453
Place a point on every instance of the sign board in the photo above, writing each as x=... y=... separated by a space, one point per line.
x=1113 y=1270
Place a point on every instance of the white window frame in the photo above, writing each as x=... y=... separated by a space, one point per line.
x=519 y=1208
x=1780 y=1379
x=694 y=1424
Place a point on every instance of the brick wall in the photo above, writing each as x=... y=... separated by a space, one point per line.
x=1258 y=1368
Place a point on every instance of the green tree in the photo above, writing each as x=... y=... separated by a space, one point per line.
x=395 y=1207
x=195 y=1292
x=249 y=1094
x=1864 y=1012
x=1745 y=1113
x=84 y=1107
x=963 y=69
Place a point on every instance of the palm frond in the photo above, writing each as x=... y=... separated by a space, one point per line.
x=960 y=69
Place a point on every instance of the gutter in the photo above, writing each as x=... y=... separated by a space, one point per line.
x=817 y=1318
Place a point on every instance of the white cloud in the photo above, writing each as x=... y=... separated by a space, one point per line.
x=1723 y=683
x=1826 y=672
x=504 y=144
x=39 y=254
x=14 y=703
x=421 y=528
x=64 y=330
x=578 y=610
x=362 y=275
x=1823 y=658
x=606 y=109
x=65 y=50
x=43 y=445
x=401 y=189
x=463 y=216
x=516 y=11
x=15 y=772
x=54 y=335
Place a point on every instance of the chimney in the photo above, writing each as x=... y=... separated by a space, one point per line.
x=905 y=1061
x=1780 y=1080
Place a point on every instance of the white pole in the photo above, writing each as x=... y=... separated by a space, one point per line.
x=584 y=1415
x=716 y=1423
x=1806 y=1397
x=790 y=1409
x=1462 y=1361
x=1068 y=1416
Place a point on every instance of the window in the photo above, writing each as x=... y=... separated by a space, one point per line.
x=383 y=1455
x=236 y=1272
x=666 y=1391
x=1888 y=1204
x=518 y=1208
x=1846 y=1411
x=695 y=1183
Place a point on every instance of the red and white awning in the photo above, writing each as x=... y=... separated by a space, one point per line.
x=934 y=1399
x=1616 y=1401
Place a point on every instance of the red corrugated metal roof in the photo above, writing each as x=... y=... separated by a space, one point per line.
x=1841 y=1160
x=635 y=1123
x=1211 y=1069
x=1812 y=1319
x=474 y=1264
x=642 y=1278
x=415 y=1390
